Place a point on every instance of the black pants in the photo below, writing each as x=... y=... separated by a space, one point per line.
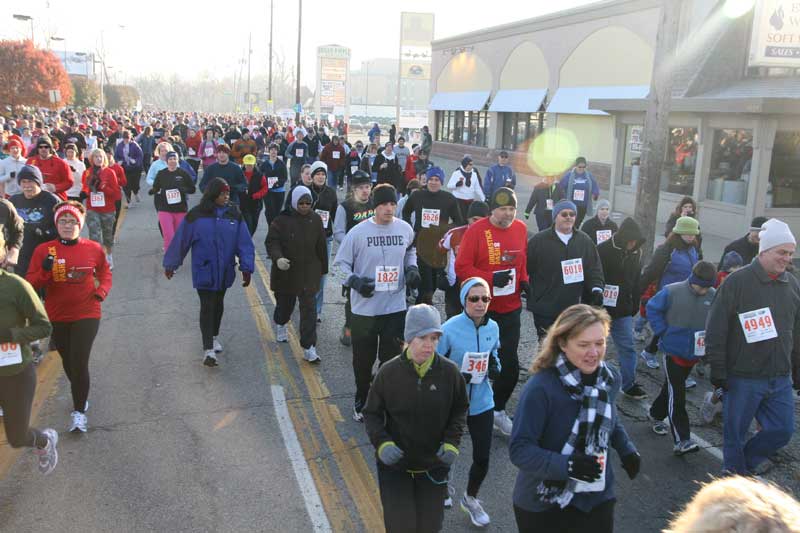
x=567 y=520
x=194 y=163
x=671 y=402
x=250 y=217
x=452 y=300
x=273 y=203
x=133 y=175
x=147 y=160
x=581 y=215
x=427 y=285
x=284 y=306
x=74 y=341
x=652 y=346
x=480 y=431
x=411 y=503
x=542 y=324
x=211 y=308
x=16 y=397
x=509 y=361
x=117 y=208
x=380 y=335
x=544 y=220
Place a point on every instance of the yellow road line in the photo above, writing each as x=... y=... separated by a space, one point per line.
x=352 y=465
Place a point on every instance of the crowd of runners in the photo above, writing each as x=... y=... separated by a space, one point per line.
x=405 y=228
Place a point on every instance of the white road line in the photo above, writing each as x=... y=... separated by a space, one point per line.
x=316 y=512
x=714 y=451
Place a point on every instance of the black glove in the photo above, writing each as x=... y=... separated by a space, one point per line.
x=596 y=299
x=494 y=369
x=413 y=279
x=460 y=182
x=467 y=377
x=584 y=467
x=5 y=336
x=720 y=383
x=631 y=463
x=501 y=279
x=151 y=192
x=246 y=276
x=47 y=263
x=441 y=281
x=363 y=286
x=524 y=289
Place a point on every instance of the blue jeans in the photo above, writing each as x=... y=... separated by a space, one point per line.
x=770 y=401
x=622 y=334
x=321 y=292
x=332 y=179
x=639 y=324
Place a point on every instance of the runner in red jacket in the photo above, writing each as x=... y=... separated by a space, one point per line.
x=57 y=175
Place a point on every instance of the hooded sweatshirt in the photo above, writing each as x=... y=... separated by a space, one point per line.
x=621 y=270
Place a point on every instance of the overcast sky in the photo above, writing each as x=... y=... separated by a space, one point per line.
x=188 y=37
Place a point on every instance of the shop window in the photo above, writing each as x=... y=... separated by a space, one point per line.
x=633 y=154
x=681 y=161
x=731 y=159
x=462 y=127
x=784 y=171
x=521 y=128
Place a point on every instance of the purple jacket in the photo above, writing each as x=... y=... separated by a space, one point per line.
x=135 y=155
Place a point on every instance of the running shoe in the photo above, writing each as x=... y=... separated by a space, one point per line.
x=281 y=334
x=136 y=195
x=344 y=338
x=472 y=506
x=310 y=355
x=36 y=352
x=1 y=411
x=635 y=392
x=503 y=423
x=709 y=409
x=210 y=358
x=357 y=416
x=661 y=428
x=690 y=383
x=448 y=501
x=78 y=424
x=684 y=447
x=217 y=345
x=650 y=359
x=48 y=456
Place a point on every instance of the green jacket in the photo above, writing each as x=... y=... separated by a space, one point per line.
x=22 y=311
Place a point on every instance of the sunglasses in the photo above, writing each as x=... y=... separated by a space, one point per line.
x=476 y=299
x=567 y=214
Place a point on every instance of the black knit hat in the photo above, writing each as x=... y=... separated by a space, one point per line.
x=384 y=193
x=360 y=178
x=30 y=172
x=503 y=197
x=478 y=209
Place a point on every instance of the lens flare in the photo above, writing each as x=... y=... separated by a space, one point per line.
x=736 y=8
x=553 y=152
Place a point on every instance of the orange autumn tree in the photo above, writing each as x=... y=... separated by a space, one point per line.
x=27 y=74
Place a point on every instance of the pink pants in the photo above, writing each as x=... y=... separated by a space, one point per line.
x=169 y=224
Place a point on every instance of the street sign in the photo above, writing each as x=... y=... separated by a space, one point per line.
x=55 y=96
x=298 y=108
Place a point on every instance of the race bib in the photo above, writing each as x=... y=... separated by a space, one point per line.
x=191 y=151
x=271 y=182
x=324 y=215
x=578 y=195
x=209 y=152
x=430 y=217
x=572 y=270
x=475 y=364
x=353 y=169
x=610 y=295
x=699 y=343
x=599 y=484
x=758 y=325
x=337 y=155
x=548 y=204
x=97 y=199
x=508 y=289
x=10 y=354
x=603 y=235
x=299 y=152
x=387 y=278
x=173 y=196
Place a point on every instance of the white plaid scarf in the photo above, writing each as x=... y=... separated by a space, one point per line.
x=590 y=431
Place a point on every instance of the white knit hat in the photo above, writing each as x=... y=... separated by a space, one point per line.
x=774 y=233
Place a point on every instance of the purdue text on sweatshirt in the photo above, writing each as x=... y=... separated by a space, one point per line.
x=381 y=252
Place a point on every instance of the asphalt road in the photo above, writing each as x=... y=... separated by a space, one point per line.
x=176 y=446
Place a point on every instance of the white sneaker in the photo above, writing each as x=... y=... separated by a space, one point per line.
x=48 y=456
x=310 y=355
x=110 y=261
x=210 y=358
x=280 y=333
x=78 y=424
x=709 y=409
x=217 y=345
x=503 y=423
x=684 y=447
x=650 y=359
x=357 y=416
x=472 y=506
x=691 y=383
x=448 y=501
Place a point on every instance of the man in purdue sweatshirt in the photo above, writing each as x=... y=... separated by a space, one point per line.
x=379 y=260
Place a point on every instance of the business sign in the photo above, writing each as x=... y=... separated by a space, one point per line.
x=76 y=63
x=416 y=34
x=334 y=66
x=635 y=142
x=775 y=41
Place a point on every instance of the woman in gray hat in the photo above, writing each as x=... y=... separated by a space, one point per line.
x=415 y=415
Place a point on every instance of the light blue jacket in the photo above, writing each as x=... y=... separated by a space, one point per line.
x=460 y=335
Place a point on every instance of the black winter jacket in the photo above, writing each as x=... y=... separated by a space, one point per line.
x=325 y=200
x=301 y=240
x=591 y=226
x=622 y=267
x=743 y=247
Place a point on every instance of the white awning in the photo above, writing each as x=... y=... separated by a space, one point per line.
x=518 y=100
x=460 y=101
x=575 y=100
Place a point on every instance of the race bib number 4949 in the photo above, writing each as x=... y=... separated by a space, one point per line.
x=758 y=325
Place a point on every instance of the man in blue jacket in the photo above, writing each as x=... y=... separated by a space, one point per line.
x=499 y=175
x=579 y=187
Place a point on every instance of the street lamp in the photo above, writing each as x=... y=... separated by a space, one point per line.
x=59 y=39
x=26 y=18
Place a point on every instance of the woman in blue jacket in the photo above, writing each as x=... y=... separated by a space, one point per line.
x=566 y=421
x=471 y=340
x=216 y=233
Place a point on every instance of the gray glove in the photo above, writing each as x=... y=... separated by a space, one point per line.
x=390 y=454
x=446 y=456
x=283 y=263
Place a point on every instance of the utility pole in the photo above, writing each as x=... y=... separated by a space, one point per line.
x=269 y=88
x=656 y=122
x=297 y=85
x=249 y=55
